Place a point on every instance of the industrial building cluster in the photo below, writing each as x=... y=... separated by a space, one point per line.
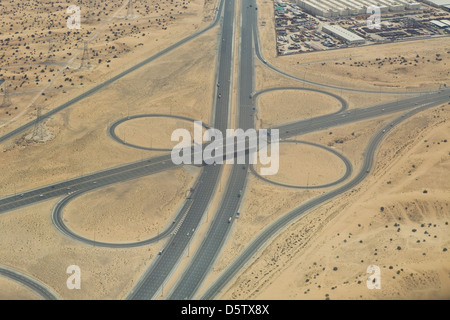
x=442 y=4
x=341 y=8
x=343 y=23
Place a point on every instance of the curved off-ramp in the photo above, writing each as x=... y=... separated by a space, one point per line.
x=347 y=174
x=262 y=239
x=58 y=222
x=29 y=282
x=343 y=102
x=115 y=78
x=260 y=57
x=113 y=127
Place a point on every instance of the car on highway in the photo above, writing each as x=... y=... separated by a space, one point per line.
x=229 y=220
x=240 y=193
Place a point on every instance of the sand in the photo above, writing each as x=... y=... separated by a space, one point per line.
x=181 y=83
x=80 y=132
x=132 y=211
x=30 y=243
x=306 y=165
x=407 y=240
x=299 y=262
x=349 y=233
x=142 y=132
x=12 y=290
x=263 y=203
x=363 y=67
x=280 y=107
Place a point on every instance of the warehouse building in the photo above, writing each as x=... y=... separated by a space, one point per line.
x=343 y=34
x=439 y=24
x=342 y=8
x=438 y=3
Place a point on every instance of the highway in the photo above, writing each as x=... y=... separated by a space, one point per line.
x=58 y=222
x=338 y=119
x=153 y=280
x=27 y=281
x=260 y=57
x=192 y=212
x=220 y=226
x=211 y=246
x=263 y=238
x=103 y=85
x=87 y=183
x=343 y=102
x=147 y=167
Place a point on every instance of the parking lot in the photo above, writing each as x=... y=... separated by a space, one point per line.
x=299 y=32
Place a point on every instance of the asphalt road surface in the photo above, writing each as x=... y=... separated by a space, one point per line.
x=193 y=210
x=33 y=284
x=112 y=129
x=262 y=239
x=221 y=225
x=87 y=183
x=347 y=163
x=153 y=280
x=113 y=79
x=337 y=87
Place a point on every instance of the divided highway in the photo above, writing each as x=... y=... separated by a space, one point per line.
x=154 y=279
x=262 y=239
x=115 y=78
x=88 y=182
x=221 y=225
x=192 y=212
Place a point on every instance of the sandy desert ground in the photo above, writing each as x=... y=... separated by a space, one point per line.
x=300 y=262
x=405 y=65
x=324 y=255
x=14 y=291
x=397 y=219
x=80 y=144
